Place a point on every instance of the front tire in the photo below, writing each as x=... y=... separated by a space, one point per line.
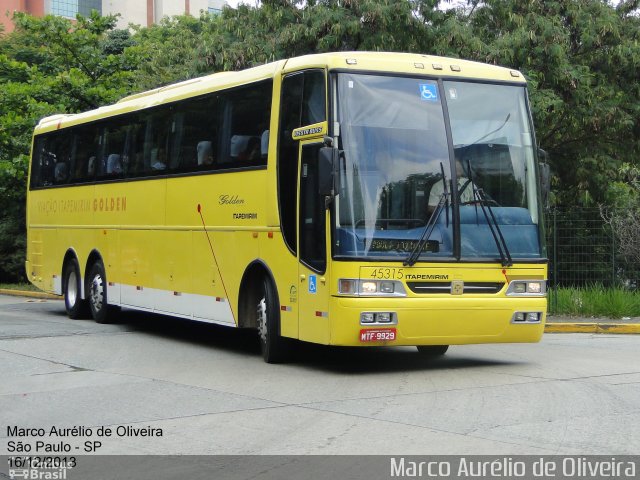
x=274 y=347
x=75 y=306
x=432 y=351
x=97 y=295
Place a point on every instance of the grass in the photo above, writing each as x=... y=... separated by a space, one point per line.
x=595 y=301
x=19 y=286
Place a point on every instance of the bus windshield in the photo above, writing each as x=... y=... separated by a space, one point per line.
x=392 y=132
x=395 y=150
x=493 y=146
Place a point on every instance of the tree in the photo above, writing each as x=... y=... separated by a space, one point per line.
x=622 y=214
x=582 y=58
x=168 y=52
x=49 y=65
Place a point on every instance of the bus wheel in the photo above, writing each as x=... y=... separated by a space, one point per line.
x=100 y=310
x=76 y=307
x=432 y=350
x=274 y=347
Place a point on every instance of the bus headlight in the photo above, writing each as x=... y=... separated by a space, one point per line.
x=532 y=288
x=371 y=288
x=387 y=287
x=368 y=288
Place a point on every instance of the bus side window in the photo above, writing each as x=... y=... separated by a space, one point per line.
x=314 y=98
x=46 y=161
x=312 y=212
x=195 y=139
x=134 y=165
x=85 y=150
x=245 y=119
x=115 y=136
x=36 y=161
x=290 y=103
x=163 y=136
x=58 y=157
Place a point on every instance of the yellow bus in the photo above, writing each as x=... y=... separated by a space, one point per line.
x=353 y=198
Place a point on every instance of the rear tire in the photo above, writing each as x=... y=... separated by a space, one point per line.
x=275 y=348
x=432 y=351
x=101 y=311
x=71 y=286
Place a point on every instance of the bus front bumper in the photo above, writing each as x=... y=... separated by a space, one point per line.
x=436 y=321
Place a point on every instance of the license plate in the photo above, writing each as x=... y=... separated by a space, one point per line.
x=377 y=334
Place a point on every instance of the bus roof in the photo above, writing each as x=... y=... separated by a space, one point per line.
x=406 y=63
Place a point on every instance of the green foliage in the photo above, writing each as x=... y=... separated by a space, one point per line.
x=623 y=191
x=594 y=301
x=12 y=228
x=49 y=65
x=582 y=59
x=19 y=286
x=171 y=50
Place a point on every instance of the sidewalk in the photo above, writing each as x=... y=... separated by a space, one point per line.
x=555 y=323
x=566 y=324
x=29 y=294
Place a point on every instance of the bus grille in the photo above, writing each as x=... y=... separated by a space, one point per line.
x=445 y=287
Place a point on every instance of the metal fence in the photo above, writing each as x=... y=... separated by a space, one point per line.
x=582 y=251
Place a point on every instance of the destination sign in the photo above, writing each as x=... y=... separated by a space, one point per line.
x=401 y=245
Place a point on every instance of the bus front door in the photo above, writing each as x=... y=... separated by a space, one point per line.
x=313 y=306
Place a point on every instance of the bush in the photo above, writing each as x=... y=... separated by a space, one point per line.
x=623 y=216
x=594 y=301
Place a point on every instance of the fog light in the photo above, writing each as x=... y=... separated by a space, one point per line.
x=368 y=287
x=386 y=287
x=519 y=287
x=383 y=317
x=367 y=318
x=518 y=317
x=533 y=317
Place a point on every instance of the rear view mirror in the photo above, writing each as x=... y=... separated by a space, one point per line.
x=545 y=176
x=328 y=170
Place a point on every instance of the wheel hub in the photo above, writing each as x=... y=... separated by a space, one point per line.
x=72 y=289
x=97 y=292
x=262 y=320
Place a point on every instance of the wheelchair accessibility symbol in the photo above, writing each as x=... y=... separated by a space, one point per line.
x=312 y=284
x=429 y=92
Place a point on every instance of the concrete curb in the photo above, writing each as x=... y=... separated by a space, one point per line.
x=26 y=293
x=592 y=327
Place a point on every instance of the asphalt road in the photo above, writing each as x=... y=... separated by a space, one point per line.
x=208 y=391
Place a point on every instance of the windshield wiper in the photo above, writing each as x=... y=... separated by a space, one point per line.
x=482 y=199
x=443 y=203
